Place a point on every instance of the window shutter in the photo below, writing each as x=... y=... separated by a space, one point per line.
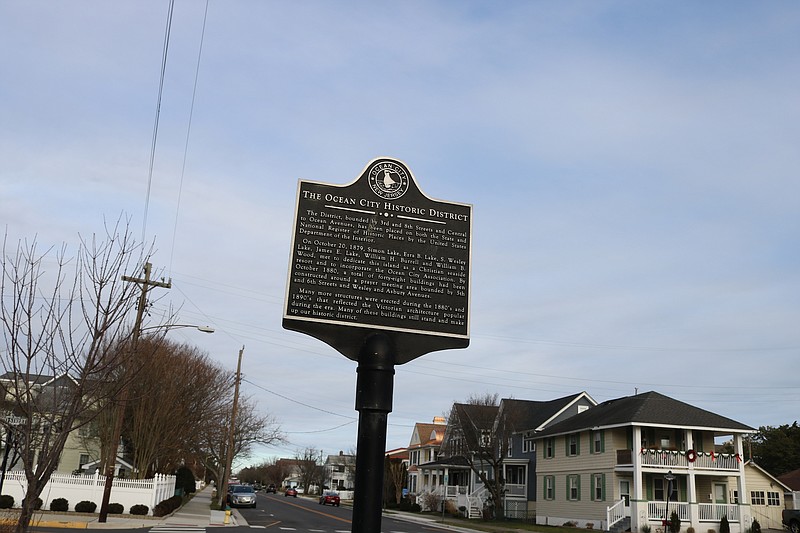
x=602 y=441
x=566 y=479
x=603 y=488
x=578 y=479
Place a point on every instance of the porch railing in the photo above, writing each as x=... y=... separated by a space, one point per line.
x=615 y=513
x=662 y=511
x=451 y=492
x=713 y=512
x=708 y=512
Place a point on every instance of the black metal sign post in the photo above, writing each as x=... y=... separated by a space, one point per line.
x=374 y=389
x=381 y=273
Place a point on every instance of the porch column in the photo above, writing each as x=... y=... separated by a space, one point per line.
x=638 y=505
x=691 y=486
x=744 y=497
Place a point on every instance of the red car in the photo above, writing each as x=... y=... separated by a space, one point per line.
x=290 y=492
x=329 y=497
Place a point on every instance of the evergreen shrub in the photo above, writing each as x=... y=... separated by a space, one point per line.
x=167 y=506
x=139 y=509
x=184 y=479
x=674 y=524
x=60 y=505
x=724 y=526
x=85 y=506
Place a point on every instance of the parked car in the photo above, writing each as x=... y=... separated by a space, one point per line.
x=291 y=491
x=791 y=519
x=242 y=496
x=271 y=488
x=329 y=497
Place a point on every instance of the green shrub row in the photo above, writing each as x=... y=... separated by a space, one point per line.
x=61 y=505
x=407 y=504
x=167 y=506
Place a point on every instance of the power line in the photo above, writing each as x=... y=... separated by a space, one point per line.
x=188 y=131
x=294 y=400
x=158 y=114
x=322 y=430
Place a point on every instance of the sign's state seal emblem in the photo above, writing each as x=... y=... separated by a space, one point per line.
x=388 y=179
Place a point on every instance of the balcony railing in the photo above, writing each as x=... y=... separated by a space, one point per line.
x=516 y=490
x=678 y=459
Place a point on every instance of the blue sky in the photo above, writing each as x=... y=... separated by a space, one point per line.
x=632 y=166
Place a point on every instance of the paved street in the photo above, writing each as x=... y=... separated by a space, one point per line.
x=305 y=515
x=274 y=512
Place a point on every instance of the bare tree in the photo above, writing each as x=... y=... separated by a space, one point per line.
x=61 y=320
x=168 y=407
x=310 y=467
x=251 y=428
x=277 y=471
x=395 y=476
x=471 y=435
x=480 y=431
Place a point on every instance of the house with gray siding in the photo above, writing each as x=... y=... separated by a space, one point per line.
x=633 y=461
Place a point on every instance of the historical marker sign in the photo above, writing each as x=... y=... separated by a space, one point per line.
x=377 y=254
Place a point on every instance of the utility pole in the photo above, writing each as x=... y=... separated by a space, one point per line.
x=122 y=400
x=231 y=434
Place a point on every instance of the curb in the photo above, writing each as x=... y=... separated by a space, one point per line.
x=60 y=524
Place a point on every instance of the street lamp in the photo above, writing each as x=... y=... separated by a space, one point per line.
x=670 y=479
x=204 y=329
x=111 y=458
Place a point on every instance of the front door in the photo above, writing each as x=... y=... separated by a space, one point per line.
x=625 y=494
x=720 y=493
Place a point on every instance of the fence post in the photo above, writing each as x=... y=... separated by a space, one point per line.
x=154 y=493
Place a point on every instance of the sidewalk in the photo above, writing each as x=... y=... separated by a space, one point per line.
x=196 y=512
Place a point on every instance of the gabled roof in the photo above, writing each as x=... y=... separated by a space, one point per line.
x=120 y=462
x=791 y=479
x=423 y=434
x=397 y=453
x=773 y=479
x=340 y=458
x=535 y=415
x=649 y=408
x=43 y=380
x=478 y=416
x=34 y=379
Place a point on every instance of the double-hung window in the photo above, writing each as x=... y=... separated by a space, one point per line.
x=549 y=487
x=528 y=444
x=573 y=444
x=574 y=487
x=549 y=448
x=598 y=487
x=597 y=446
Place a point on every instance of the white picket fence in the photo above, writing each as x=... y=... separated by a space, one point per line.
x=74 y=489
